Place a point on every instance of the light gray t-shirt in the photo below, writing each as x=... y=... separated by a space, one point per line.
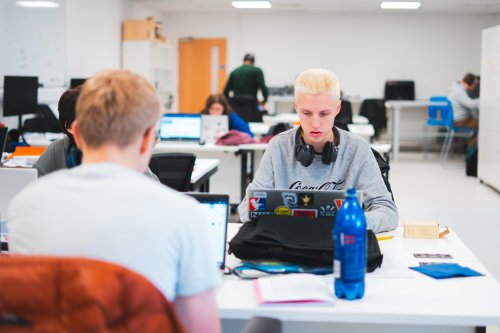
x=54 y=158
x=108 y=212
x=463 y=106
x=355 y=167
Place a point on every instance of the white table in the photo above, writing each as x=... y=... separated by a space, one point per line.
x=275 y=100
x=259 y=129
x=202 y=171
x=287 y=118
x=396 y=107
x=236 y=164
x=396 y=299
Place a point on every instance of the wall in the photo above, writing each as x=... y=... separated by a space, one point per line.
x=363 y=51
x=93 y=40
x=489 y=117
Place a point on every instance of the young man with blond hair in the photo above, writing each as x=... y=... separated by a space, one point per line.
x=318 y=156
x=107 y=209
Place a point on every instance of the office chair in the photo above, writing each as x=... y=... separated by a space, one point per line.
x=44 y=121
x=442 y=116
x=345 y=115
x=173 y=169
x=63 y=295
x=374 y=110
x=247 y=107
x=78 y=295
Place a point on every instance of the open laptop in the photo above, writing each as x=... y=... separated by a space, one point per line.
x=308 y=203
x=12 y=181
x=3 y=140
x=216 y=208
x=180 y=127
x=213 y=127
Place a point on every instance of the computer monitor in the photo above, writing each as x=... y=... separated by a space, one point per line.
x=75 y=82
x=399 y=90
x=20 y=96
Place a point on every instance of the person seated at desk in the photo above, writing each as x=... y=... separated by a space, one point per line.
x=319 y=156
x=107 y=210
x=217 y=105
x=465 y=108
x=63 y=153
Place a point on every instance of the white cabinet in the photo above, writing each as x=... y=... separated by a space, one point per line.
x=153 y=61
x=489 y=115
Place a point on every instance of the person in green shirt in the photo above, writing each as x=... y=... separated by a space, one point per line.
x=246 y=80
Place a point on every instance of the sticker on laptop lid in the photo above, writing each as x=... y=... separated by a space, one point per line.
x=305 y=212
x=289 y=199
x=254 y=215
x=306 y=199
x=282 y=210
x=327 y=211
x=256 y=204
x=339 y=202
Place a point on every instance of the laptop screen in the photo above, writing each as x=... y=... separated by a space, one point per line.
x=3 y=139
x=216 y=209
x=180 y=127
x=310 y=203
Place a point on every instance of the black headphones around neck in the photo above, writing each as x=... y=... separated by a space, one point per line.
x=304 y=153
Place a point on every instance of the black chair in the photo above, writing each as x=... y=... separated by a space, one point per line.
x=173 y=169
x=374 y=110
x=44 y=121
x=247 y=107
x=345 y=115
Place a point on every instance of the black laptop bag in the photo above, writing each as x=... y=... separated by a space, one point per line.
x=299 y=240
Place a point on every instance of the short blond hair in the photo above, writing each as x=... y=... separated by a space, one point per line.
x=116 y=107
x=317 y=81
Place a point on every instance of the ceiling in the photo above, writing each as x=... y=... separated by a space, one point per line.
x=327 y=6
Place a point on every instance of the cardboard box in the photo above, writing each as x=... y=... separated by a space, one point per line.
x=138 y=30
x=423 y=230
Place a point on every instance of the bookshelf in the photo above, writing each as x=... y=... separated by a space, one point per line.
x=152 y=60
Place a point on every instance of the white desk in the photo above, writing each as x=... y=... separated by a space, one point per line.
x=42 y=139
x=396 y=299
x=396 y=107
x=236 y=165
x=202 y=171
x=275 y=100
x=259 y=129
x=288 y=118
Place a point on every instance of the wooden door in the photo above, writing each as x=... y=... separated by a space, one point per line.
x=202 y=71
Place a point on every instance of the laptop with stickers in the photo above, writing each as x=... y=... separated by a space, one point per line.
x=309 y=203
x=216 y=208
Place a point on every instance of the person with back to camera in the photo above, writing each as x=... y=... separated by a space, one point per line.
x=246 y=80
x=465 y=108
x=217 y=105
x=63 y=153
x=319 y=156
x=106 y=209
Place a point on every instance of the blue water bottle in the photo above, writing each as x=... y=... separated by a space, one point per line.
x=349 y=239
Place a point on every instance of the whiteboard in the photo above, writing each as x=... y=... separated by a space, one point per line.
x=32 y=42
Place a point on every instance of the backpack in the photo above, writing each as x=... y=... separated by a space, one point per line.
x=384 y=170
x=297 y=240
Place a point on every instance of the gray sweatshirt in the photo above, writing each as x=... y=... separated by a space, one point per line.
x=355 y=166
x=54 y=158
